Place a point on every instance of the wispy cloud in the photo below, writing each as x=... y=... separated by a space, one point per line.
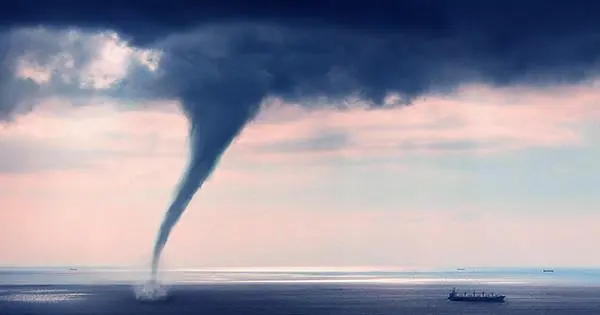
x=473 y=121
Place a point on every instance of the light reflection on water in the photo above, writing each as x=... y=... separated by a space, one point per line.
x=43 y=296
x=56 y=276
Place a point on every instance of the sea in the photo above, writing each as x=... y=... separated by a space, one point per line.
x=115 y=290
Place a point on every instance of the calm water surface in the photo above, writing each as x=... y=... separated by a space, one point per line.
x=111 y=291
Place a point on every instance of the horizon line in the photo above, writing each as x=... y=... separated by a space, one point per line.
x=303 y=268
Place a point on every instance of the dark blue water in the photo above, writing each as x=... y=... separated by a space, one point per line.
x=29 y=291
x=282 y=299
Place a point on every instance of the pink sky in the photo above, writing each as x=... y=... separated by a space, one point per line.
x=93 y=182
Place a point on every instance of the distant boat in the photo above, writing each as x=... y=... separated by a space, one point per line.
x=73 y=269
x=475 y=297
x=460 y=269
x=548 y=270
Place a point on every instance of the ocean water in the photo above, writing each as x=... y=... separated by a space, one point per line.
x=218 y=292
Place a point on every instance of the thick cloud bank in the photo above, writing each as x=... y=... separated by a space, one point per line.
x=307 y=50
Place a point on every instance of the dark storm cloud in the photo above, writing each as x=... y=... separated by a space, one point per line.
x=327 y=48
x=151 y=19
x=12 y=89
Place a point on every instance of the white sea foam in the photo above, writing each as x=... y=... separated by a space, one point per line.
x=150 y=291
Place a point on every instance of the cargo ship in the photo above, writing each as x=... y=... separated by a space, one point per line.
x=475 y=296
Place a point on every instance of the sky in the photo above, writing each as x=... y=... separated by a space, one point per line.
x=415 y=145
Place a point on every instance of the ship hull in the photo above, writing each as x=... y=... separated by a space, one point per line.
x=492 y=299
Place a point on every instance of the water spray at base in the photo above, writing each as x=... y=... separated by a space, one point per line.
x=150 y=292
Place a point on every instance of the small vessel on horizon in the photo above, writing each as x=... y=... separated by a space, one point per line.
x=475 y=296
x=548 y=270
